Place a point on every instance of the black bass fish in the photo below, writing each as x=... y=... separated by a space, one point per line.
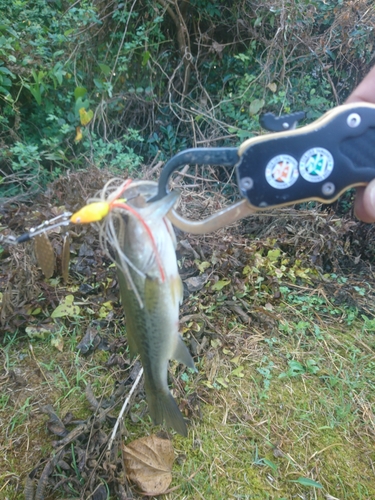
x=152 y=311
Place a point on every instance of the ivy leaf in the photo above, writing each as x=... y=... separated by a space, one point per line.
x=81 y=103
x=85 y=116
x=256 y=106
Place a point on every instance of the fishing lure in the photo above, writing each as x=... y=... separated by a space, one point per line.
x=96 y=211
x=93 y=212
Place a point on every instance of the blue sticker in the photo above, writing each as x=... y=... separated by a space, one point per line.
x=316 y=165
x=282 y=171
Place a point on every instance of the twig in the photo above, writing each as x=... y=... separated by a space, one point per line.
x=136 y=382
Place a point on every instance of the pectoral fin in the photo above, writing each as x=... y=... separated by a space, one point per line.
x=182 y=354
x=177 y=290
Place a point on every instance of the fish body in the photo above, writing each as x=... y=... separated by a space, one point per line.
x=152 y=322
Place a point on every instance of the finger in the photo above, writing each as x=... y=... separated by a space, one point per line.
x=365 y=92
x=364 y=205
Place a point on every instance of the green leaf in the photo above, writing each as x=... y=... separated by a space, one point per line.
x=145 y=58
x=237 y=372
x=105 y=69
x=305 y=481
x=79 y=92
x=81 y=103
x=99 y=84
x=6 y=71
x=36 y=92
x=273 y=255
x=219 y=285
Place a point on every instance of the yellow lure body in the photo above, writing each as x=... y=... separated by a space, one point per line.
x=93 y=212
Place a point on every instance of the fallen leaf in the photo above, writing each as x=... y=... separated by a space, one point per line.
x=215 y=343
x=54 y=424
x=40 y=332
x=45 y=254
x=219 y=285
x=106 y=308
x=238 y=372
x=66 y=308
x=196 y=283
x=148 y=463
x=202 y=266
x=90 y=340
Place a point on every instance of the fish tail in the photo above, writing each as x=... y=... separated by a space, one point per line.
x=163 y=407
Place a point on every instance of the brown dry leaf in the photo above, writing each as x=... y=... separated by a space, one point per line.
x=45 y=254
x=148 y=463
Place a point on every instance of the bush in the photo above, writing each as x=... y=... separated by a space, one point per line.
x=117 y=83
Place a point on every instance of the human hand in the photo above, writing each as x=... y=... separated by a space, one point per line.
x=364 y=205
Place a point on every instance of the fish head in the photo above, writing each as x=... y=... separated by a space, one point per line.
x=148 y=239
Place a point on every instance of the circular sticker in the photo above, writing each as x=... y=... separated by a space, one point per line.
x=316 y=164
x=282 y=171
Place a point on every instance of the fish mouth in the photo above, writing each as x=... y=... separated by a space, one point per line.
x=139 y=192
